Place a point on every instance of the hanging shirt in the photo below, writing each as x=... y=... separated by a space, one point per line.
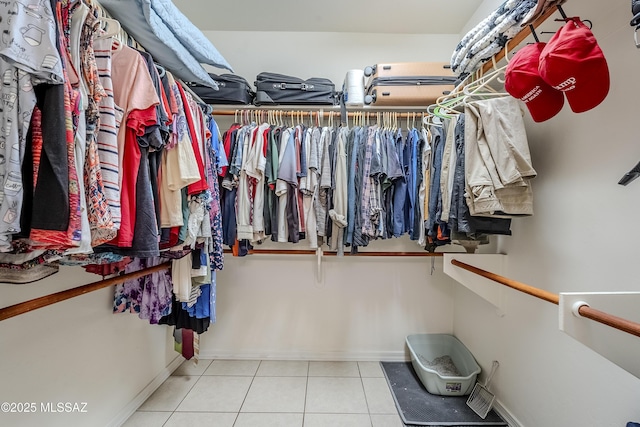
x=311 y=185
x=52 y=228
x=255 y=169
x=338 y=213
x=447 y=170
x=107 y=131
x=179 y=167
x=435 y=201
x=99 y=216
x=271 y=203
x=368 y=183
x=29 y=40
x=28 y=56
x=135 y=94
x=424 y=185
x=200 y=185
x=322 y=202
x=285 y=186
x=79 y=14
x=245 y=200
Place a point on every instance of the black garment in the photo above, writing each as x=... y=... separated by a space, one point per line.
x=459 y=213
x=161 y=115
x=50 y=209
x=155 y=158
x=488 y=225
x=272 y=200
x=417 y=221
x=180 y=319
x=196 y=262
x=229 y=225
x=27 y=188
x=293 y=217
x=332 y=162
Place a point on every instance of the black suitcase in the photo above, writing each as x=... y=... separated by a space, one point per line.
x=278 y=89
x=232 y=89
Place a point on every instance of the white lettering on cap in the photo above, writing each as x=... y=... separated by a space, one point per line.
x=567 y=85
x=532 y=94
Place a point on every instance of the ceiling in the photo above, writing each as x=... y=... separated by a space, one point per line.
x=356 y=16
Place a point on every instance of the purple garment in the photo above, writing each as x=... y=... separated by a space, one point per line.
x=149 y=296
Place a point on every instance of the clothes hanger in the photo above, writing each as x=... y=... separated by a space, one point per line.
x=482 y=85
x=161 y=70
x=110 y=27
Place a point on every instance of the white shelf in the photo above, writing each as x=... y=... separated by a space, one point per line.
x=489 y=290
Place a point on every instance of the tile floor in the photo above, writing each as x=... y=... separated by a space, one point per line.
x=239 y=393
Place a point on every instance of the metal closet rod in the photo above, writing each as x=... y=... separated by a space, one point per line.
x=359 y=254
x=292 y=112
x=615 y=322
x=34 y=304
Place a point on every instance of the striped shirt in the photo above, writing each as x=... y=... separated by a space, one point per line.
x=108 y=131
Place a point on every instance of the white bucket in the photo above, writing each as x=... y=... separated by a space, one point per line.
x=353 y=88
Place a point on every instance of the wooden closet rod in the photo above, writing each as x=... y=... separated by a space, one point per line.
x=519 y=38
x=27 y=306
x=615 y=322
x=518 y=286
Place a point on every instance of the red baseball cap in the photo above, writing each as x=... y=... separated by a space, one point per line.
x=522 y=81
x=573 y=62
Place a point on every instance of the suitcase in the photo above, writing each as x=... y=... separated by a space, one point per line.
x=278 y=89
x=408 y=83
x=232 y=89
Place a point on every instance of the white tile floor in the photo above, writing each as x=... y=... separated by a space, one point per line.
x=242 y=393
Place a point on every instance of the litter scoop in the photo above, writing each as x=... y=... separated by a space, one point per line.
x=481 y=399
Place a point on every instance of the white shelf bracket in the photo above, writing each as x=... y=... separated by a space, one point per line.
x=619 y=347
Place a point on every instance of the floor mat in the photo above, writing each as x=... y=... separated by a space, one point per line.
x=418 y=407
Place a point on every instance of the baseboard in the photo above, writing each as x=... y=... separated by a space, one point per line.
x=128 y=410
x=505 y=414
x=362 y=356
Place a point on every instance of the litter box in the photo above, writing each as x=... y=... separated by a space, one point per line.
x=440 y=377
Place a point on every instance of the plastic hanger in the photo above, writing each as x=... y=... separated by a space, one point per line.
x=482 y=85
x=110 y=27
x=161 y=70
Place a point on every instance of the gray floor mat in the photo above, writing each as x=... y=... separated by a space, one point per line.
x=418 y=407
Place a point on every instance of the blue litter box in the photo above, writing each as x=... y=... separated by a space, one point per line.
x=443 y=364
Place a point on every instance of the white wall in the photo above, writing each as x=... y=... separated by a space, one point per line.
x=328 y=55
x=77 y=351
x=583 y=237
x=272 y=307
x=360 y=309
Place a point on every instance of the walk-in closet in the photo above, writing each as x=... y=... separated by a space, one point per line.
x=319 y=214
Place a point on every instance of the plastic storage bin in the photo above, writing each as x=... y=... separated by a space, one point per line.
x=425 y=348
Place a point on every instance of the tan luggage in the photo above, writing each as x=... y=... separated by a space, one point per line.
x=408 y=83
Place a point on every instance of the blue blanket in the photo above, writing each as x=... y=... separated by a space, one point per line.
x=140 y=20
x=190 y=36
